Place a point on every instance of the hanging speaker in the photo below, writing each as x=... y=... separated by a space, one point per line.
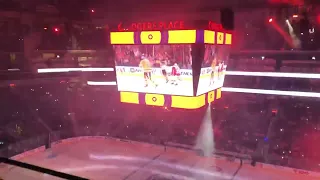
x=227 y=18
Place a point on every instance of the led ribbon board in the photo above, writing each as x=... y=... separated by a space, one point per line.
x=172 y=32
x=156 y=63
x=172 y=101
x=171 y=37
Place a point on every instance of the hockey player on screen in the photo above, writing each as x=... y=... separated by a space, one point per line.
x=163 y=66
x=147 y=69
x=175 y=73
x=213 y=69
x=220 y=70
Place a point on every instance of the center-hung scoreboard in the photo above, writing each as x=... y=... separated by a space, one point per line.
x=176 y=64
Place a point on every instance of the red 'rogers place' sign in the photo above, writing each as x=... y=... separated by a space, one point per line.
x=145 y=26
x=168 y=25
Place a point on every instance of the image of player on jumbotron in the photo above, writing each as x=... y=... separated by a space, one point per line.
x=152 y=69
x=164 y=67
x=147 y=71
x=213 y=71
x=220 y=70
x=175 y=73
x=213 y=68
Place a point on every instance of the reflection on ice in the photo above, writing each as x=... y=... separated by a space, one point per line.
x=171 y=166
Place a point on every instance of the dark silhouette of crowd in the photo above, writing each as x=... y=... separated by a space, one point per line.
x=287 y=127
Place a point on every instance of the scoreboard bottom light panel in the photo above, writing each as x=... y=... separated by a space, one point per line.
x=184 y=102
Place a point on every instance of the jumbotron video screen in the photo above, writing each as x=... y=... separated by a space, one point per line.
x=157 y=69
x=213 y=68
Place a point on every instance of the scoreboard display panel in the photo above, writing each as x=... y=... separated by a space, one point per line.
x=158 y=69
x=177 y=64
x=213 y=68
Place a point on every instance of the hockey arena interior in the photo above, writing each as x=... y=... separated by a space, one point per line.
x=98 y=90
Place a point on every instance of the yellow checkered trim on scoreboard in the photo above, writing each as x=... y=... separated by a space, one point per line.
x=171 y=37
x=183 y=102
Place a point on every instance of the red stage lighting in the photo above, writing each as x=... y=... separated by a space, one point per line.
x=92 y=10
x=270 y=20
x=56 y=29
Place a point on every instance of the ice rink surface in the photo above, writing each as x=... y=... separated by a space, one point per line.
x=110 y=159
